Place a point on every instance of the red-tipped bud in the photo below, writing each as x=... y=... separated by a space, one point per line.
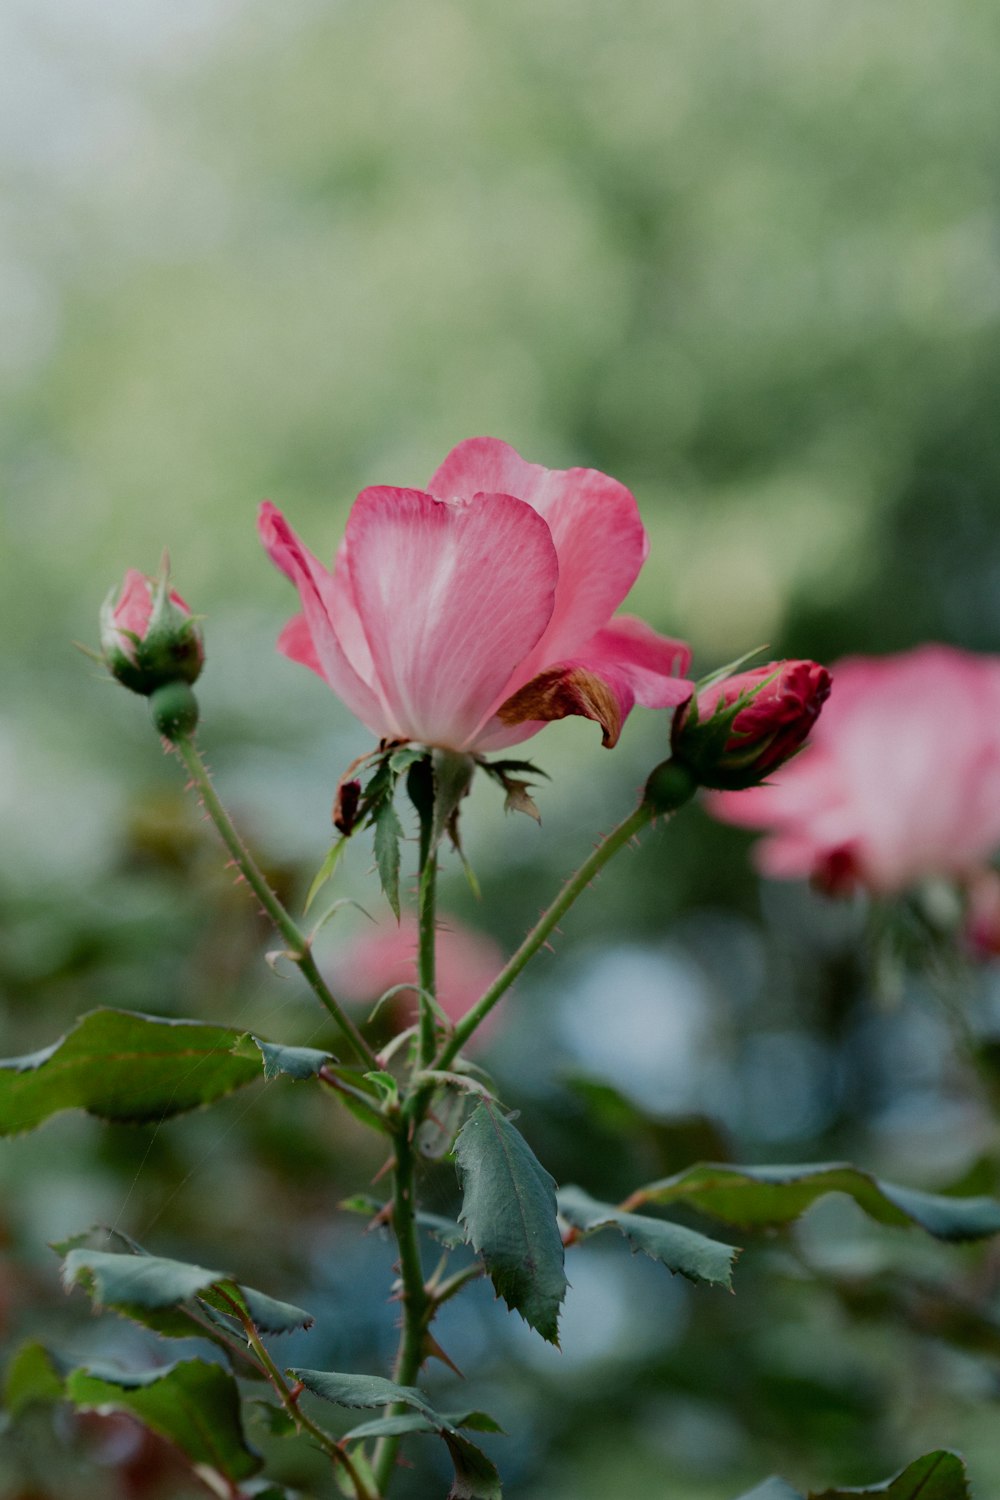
x=737 y=731
x=149 y=637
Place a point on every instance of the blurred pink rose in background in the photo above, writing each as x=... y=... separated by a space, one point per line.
x=900 y=781
x=469 y=615
x=385 y=955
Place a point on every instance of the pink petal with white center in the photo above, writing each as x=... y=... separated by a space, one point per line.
x=316 y=587
x=599 y=538
x=452 y=597
x=625 y=663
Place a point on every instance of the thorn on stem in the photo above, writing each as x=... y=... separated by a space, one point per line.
x=432 y=1350
x=384 y=1169
x=381 y=1220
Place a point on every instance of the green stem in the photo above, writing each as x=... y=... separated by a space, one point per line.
x=418 y=1309
x=416 y=1304
x=289 y=1401
x=299 y=950
x=445 y=1290
x=426 y=948
x=575 y=885
x=426 y=912
x=420 y=1302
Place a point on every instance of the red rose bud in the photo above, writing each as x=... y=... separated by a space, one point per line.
x=737 y=731
x=149 y=637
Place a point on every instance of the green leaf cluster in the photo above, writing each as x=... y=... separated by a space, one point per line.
x=509 y=1216
x=138 y=1284
x=192 y=1403
x=375 y=810
x=775 y=1195
x=437 y=781
x=681 y=1250
x=476 y=1477
x=128 y=1068
x=937 y=1476
x=123 y=1066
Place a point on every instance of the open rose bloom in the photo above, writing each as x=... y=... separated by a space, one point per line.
x=900 y=781
x=469 y=614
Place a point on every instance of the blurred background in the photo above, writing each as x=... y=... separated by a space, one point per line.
x=743 y=256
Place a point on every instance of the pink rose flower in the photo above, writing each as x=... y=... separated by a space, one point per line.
x=900 y=781
x=386 y=955
x=470 y=614
x=742 y=728
x=149 y=636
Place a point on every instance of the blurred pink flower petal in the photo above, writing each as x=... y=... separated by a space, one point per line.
x=900 y=781
x=470 y=615
x=385 y=955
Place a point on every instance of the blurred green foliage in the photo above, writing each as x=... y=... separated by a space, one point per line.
x=745 y=257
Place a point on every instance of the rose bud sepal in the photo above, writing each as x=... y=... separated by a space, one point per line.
x=669 y=786
x=735 y=731
x=149 y=637
x=174 y=709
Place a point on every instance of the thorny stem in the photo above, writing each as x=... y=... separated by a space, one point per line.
x=426 y=949
x=289 y=1401
x=213 y=1331
x=575 y=885
x=417 y=1308
x=419 y=1301
x=299 y=950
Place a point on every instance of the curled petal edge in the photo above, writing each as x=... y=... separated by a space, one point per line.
x=624 y=663
x=561 y=691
